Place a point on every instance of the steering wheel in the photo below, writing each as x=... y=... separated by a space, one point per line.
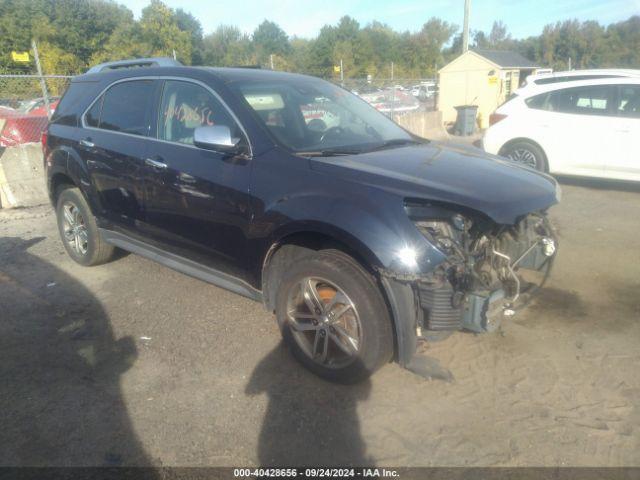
x=332 y=131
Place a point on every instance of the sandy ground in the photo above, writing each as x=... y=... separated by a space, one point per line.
x=131 y=363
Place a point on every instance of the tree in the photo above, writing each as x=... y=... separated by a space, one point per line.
x=160 y=31
x=188 y=23
x=270 y=39
x=228 y=46
x=424 y=49
x=499 y=36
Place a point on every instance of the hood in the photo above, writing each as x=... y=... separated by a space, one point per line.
x=453 y=174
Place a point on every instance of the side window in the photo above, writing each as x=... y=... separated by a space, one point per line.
x=591 y=100
x=125 y=107
x=92 y=117
x=186 y=106
x=628 y=104
x=539 y=101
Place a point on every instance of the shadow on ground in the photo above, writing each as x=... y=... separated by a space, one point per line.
x=61 y=403
x=308 y=421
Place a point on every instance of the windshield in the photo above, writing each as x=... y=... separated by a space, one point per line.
x=312 y=116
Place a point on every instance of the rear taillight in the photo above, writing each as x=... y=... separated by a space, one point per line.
x=495 y=118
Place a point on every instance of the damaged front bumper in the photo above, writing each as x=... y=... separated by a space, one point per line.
x=428 y=302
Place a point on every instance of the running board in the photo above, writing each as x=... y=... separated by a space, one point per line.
x=181 y=264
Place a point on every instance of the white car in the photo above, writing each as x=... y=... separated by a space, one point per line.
x=575 y=75
x=583 y=128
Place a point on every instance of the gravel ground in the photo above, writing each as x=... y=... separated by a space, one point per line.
x=131 y=363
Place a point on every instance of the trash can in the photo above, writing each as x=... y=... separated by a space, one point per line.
x=466 y=119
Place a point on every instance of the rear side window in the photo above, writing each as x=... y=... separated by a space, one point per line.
x=539 y=101
x=125 y=108
x=628 y=104
x=73 y=102
x=92 y=117
x=590 y=100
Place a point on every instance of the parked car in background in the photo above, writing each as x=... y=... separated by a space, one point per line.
x=41 y=109
x=36 y=105
x=360 y=237
x=392 y=100
x=424 y=91
x=584 y=128
x=26 y=123
x=576 y=75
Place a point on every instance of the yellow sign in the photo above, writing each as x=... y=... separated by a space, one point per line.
x=336 y=68
x=20 y=56
x=493 y=80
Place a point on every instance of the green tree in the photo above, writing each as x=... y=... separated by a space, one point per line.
x=228 y=46
x=188 y=23
x=160 y=30
x=270 y=39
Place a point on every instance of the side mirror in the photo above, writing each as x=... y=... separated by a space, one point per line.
x=215 y=137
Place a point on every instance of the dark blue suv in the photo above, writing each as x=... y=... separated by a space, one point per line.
x=287 y=189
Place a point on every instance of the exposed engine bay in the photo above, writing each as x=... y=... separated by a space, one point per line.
x=491 y=271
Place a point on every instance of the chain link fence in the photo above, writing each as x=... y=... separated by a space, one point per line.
x=26 y=103
x=395 y=97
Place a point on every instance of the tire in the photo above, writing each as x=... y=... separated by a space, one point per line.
x=364 y=317
x=526 y=153
x=72 y=211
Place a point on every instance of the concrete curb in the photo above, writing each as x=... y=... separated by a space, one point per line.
x=22 y=181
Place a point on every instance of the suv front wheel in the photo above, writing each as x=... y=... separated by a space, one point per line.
x=79 y=231
x=334 y=318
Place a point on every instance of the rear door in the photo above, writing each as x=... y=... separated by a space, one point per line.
x=197 y=200
x=624 y=163
x=114 y=144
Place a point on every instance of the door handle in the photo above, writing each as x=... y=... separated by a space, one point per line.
x=155 y=163
x=87 y=143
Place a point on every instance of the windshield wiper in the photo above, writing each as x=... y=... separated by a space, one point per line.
x=396 y=142
x=329 y=153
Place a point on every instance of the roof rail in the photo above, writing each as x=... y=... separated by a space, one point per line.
x=136 y=62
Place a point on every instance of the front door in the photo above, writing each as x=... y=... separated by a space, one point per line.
x=197 y=200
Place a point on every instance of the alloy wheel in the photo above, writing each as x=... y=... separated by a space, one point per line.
x=523 y=156
x=75 y=230
x=324 y=322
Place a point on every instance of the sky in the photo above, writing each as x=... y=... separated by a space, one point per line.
x=304 y=18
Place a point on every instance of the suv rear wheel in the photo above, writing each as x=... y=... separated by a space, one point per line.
x=333 y=317
x=78 y=230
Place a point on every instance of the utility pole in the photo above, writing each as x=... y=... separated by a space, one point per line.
x=341 y=74
x=174 y=54
x=465 y=30
x=569 y=63
x=271 y=60
x=392 y=71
